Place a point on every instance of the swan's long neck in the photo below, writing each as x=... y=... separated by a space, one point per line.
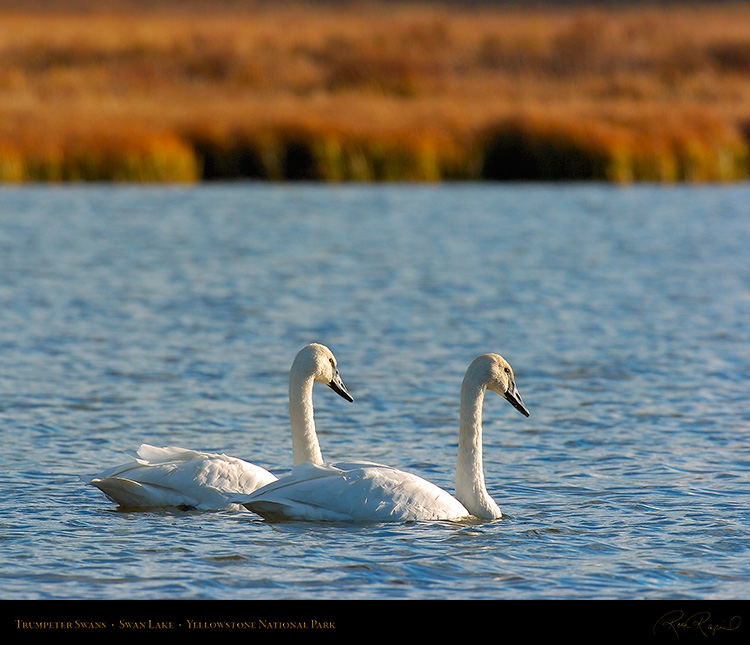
x=305 y=444
x=470 y=487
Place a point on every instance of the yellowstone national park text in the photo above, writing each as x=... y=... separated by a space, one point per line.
x=146 y=625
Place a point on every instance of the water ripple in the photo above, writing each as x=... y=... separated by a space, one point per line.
x=172 y=316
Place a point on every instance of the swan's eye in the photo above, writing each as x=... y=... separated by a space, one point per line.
x=507 y=371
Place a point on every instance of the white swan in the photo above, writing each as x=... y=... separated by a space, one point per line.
x=176 y=477
x=363 y=491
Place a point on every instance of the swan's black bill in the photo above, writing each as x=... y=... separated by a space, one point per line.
x=514 y=398
x=337 y=385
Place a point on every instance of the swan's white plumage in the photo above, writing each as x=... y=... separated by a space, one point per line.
x=179 y=477
x=353 y=491
x=175 y=476
x=364 y=491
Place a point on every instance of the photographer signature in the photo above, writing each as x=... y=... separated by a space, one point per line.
x=700 y=622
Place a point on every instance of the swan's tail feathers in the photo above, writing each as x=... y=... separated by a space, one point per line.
x=269 y=511
x=127 y=493
x=124 y=492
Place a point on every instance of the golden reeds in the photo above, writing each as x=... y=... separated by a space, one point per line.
x=374 y=93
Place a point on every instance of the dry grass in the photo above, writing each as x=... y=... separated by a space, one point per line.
x=371 y=92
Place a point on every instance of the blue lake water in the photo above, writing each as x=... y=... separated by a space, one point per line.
x=171 y=315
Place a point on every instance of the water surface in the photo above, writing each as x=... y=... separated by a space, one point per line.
x=172 y=315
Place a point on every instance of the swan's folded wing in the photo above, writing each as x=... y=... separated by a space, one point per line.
x=353 y=491
x=168 y=454
x=149 y=457
x=177 y=477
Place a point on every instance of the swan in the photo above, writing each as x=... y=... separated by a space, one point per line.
x=365 y=491
x=178 y=477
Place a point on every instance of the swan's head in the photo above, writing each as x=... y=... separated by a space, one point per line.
x=319 y=362
x=497 y=375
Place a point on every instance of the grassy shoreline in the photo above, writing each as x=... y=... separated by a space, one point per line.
x=375 y=93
